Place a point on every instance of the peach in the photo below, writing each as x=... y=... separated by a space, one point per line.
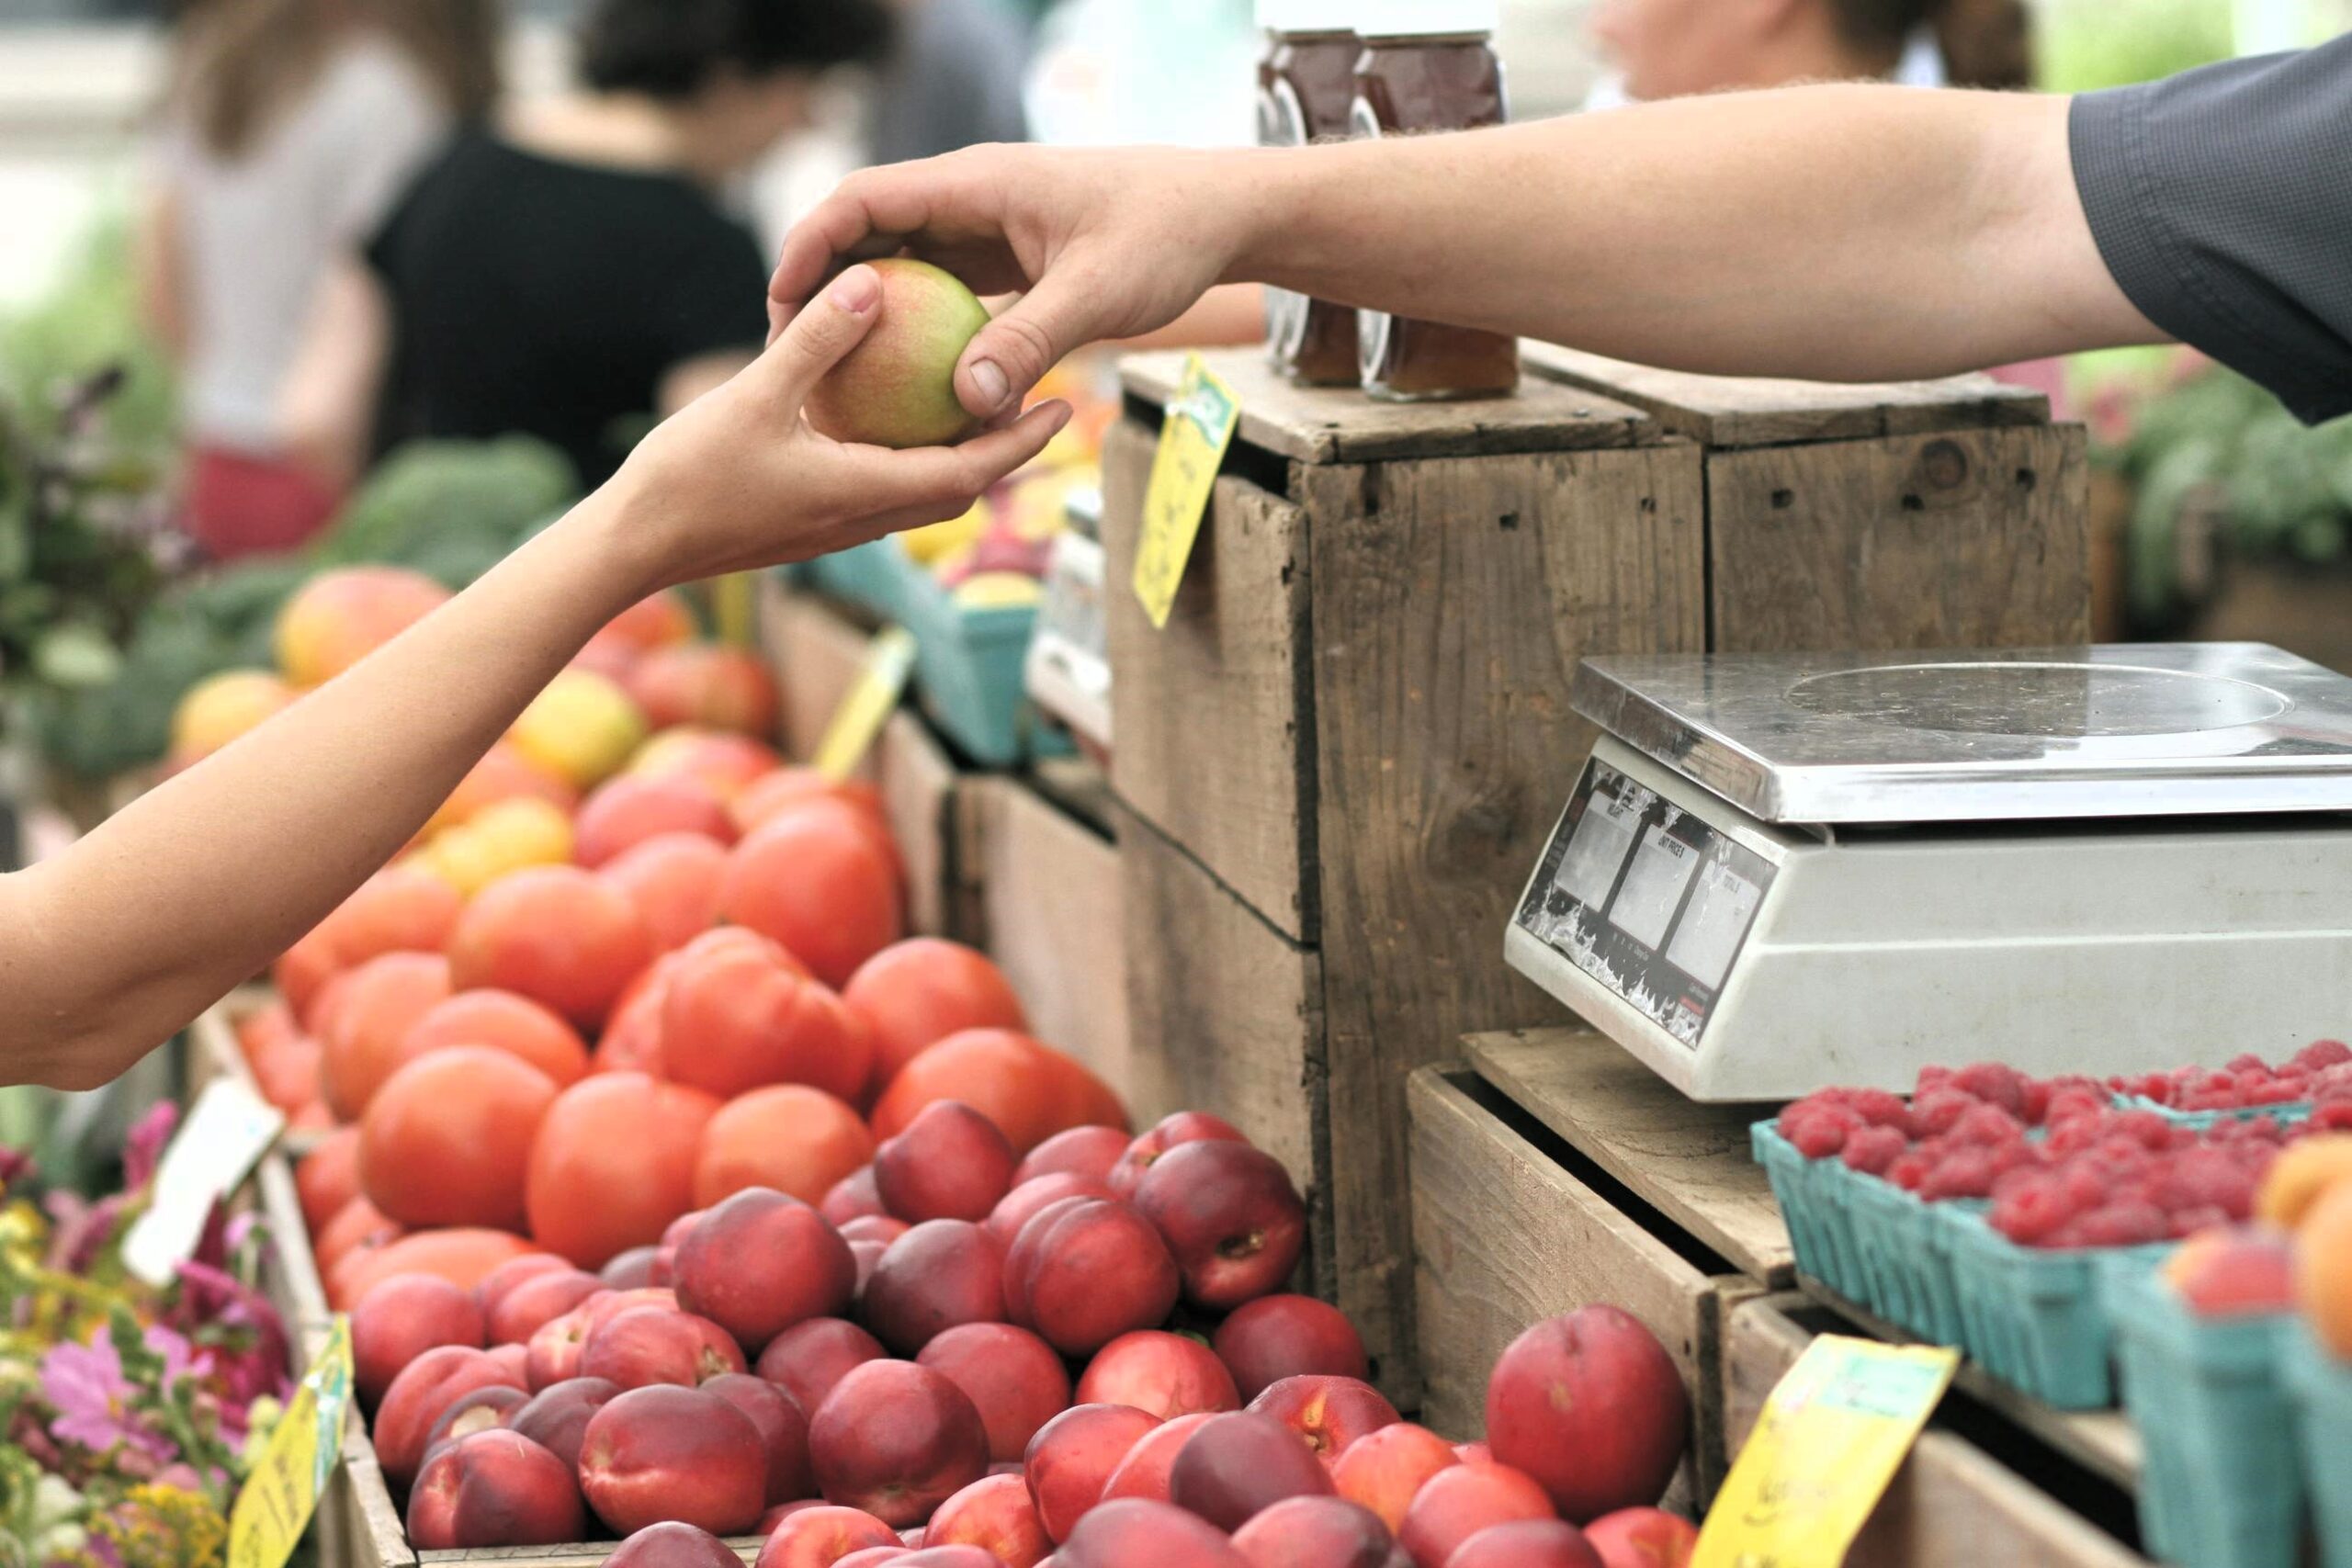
x=1233 y=1220
x=339 y=617
x=494 y=1488
x=951 y=1163
x=1144 y=1473
x=897 y=1439
x=853 y=1196
x=1087 y=1152
x=995 y=1514
x=1330 y=1414
x=1315 y=1532
x=807 y=1359
x=1084 y=1272
x=532 y=1303
x=1012 y=1377
x=484 y=1410
x=940 y=1275
x=637 y=1268
x=896 y=387
x=1383 y=1469
x=2234 y=1270
x=784 y=1430
x=1643 y=1538
x=867 y=1256
x=955 y=1556
x=1237 y=1465
x=514 y=1360
x=672 y=1545
x=623 y=813
x=1527 y=1543
x=820 y=1536
x=664 y=1452
x=879 y=1227
x=424 y=1388
x=1073 y=1456
x=1031 y=1198
x=1172 y=1132
x=761 y=1262
x=1466 y=1452
x=400 y=1320
x=493 y=1286
x=1135 y=1532
x=1167 y=1375
x=1275 y=1338
x=1460 y=1501
x=557 y=1416
x=552 y=1356
x=653 y=1345
x=1591 y=1406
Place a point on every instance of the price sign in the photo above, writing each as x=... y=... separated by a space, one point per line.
x=1828 y=1443
x=889 y=660
x=1192 y=441
x=283 y=1489
x=227 y=1130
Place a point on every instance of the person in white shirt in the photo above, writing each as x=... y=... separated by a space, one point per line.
x=288 y=129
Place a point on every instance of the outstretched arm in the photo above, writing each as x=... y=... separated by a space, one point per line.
x=114 y=944
x=1833 y=232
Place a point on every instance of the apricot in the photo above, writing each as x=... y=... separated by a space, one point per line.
x=706 y=684
x=339 y=617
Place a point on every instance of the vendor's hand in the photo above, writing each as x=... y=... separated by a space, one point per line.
x=1106 y=245
x=737 y=480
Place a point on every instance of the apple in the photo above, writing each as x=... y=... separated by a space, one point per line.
x=896 y=387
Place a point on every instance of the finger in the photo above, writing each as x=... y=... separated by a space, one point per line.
x=816 y=337
x=955 y=476
x=1009 y=355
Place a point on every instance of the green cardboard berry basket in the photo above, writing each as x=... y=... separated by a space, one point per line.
x=2286 y=1115
x=2319 y=1387
x=2035 y=1317
x=970 y=670
x=1815 y=1199
x=2220 y=1486
x=1907 y=1257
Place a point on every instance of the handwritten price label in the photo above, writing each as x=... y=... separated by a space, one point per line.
x=1823 y=1453
x=1191 y=443
x=284 y=1490
x=889 y=660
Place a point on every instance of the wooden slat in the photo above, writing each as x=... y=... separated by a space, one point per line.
x=1449 y=610
x=1972 y=539
x=1210 y=711
x=1951 y=1505
x=817 y=652
x=1738 y=410
x=1689 y=1161
x=1505 y=1237
x=1325 y=424
x=1053 y=917
x=919 y=783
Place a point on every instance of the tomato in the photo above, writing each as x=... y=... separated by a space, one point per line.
x=1031 y=1091
x=399 y=910
x=505 y=1021
x=916 y=993
x=613 y=1164
x=626 y=811
x=371 y=1013
x=724 y=760
x=672 y=880
x=556 y=934
x=356 y=1225
x=287 y=1071
x=771 y=795
x=503 y=773
x=793 y=1138
x=302 y=972
x=817 y=881
x=448 y=1139
x=464 y=1258
x=706 y=683
x=734 y=1017
x=328 y=1177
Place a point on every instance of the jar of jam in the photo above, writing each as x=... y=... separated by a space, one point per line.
x=1306 y=93
x=1429 y=65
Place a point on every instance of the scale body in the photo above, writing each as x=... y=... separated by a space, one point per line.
x=1777 y=873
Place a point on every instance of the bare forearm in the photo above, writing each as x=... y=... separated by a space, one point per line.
x=1851 y=232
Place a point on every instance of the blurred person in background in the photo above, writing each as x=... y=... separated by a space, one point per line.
x=288 y=127
x=569 y=272
x=1672 y=48
x=953 y=80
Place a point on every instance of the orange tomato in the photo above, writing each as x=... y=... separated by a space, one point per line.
x=915 y=993
x=356 y=1225
x=446 y=1141
x=328 y=1177
x=626 y=811
x=704 y=683
x=673 y=882
x=724 y=760
x=503 y=773
x=736 y=1017
x=786 y=789
x=816 y=881
x=796 y=1139
x=614 y=1165
x=1031 y=1091
x=657 y=621
x=553 y=933
x=373 y=1010
x=287 y=1071
x=302 y=971
x=399 y=910
x=505 y=1021
x=464 y=1258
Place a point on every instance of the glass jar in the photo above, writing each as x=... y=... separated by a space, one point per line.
x=1306 y=93
x=1429 y=65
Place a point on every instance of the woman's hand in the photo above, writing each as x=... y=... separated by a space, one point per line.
x=737 y=479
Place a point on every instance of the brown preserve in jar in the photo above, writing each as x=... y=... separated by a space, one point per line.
x=1306 y=93
x=1429 y=66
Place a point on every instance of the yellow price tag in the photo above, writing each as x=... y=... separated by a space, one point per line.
x=1824 y=1451
x=889 y=660
x=283 y=1489
x=1192 y=440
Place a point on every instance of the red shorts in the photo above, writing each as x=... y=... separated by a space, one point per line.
x=237 y=504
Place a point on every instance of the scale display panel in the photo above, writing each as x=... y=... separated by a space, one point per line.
x=1648 y=898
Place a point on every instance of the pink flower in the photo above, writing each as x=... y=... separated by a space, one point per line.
x=142 y=1148
x=85 y=1384
x=247 y=1348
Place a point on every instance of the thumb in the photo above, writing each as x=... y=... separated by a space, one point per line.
x=820 y=332
x=1008 y=355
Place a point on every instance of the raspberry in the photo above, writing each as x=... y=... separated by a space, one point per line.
x=2145 y=1128
x=2032 y=1211
x=1872 y=1150
x=1823 y=1131
x=1993 y=1082
x=2015 y=1154
x=2207 y=1178
x=1930 y=1079
x=2246 y=1061
x=2321 y=1054
x=1990 y=1125
x=1909 y=1170
x=2124 y=1223
x=1879 y=1109
x=1965 y=1173
x=2070 y=1105
x=2332 y=1116
x=2186 y=1223
x=2085 y=1185
x=1936 y=1109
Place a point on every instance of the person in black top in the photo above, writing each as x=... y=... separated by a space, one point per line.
x=566 y=273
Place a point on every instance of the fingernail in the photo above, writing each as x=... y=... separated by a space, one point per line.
x=987 y=379
x=856 y=290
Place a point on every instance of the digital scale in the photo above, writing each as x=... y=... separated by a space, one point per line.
x=1781 y=871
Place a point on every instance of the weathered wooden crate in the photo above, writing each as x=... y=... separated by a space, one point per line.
x=1348 y=744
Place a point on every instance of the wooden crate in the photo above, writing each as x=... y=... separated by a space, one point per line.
x=1353 y=736
x=1509 y=1228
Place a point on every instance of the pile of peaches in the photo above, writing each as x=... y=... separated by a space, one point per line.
x=969 y=1358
